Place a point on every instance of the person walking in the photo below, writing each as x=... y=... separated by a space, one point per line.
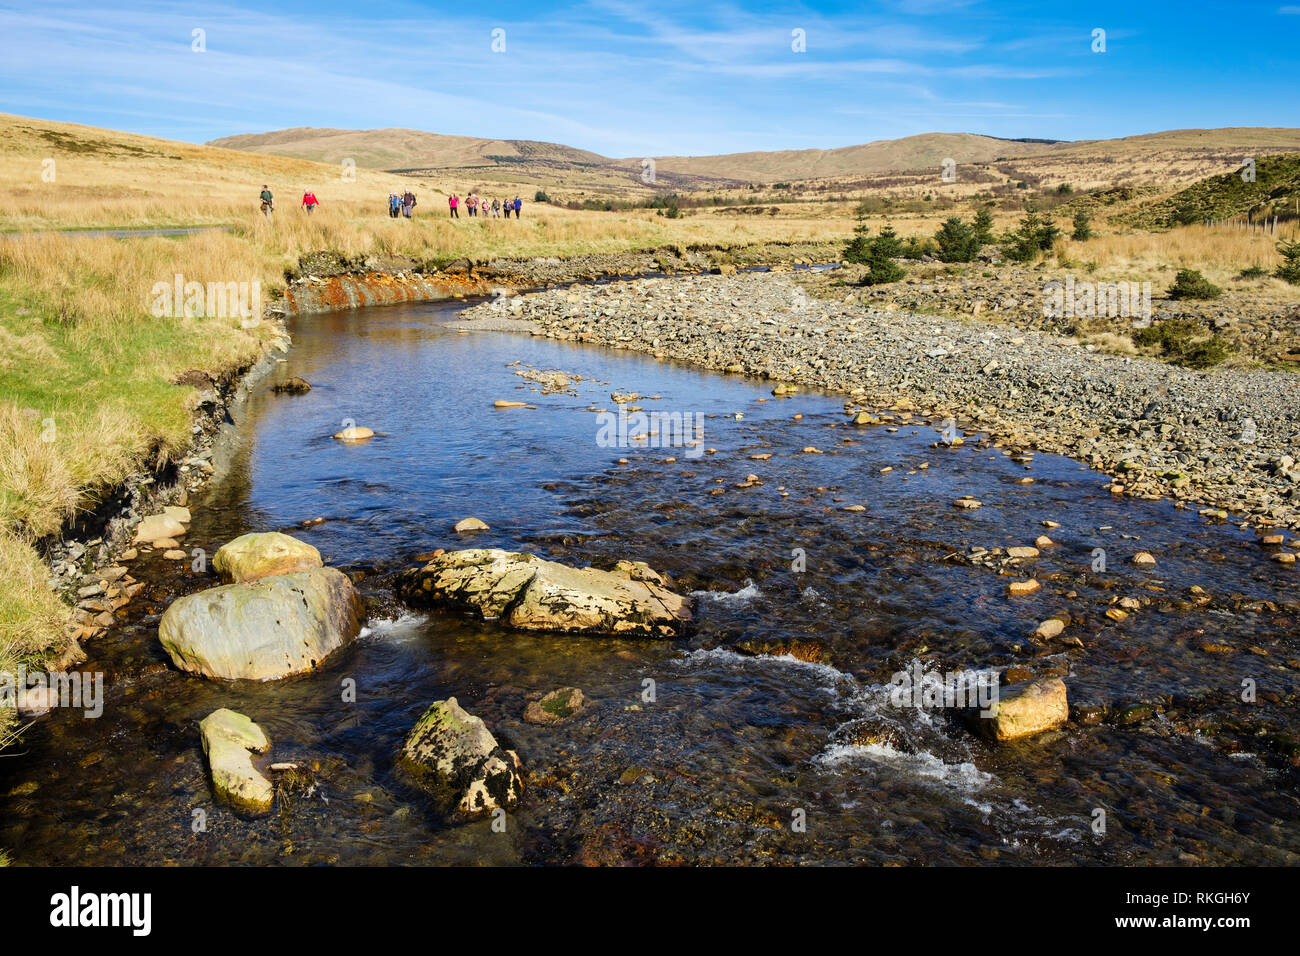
x=496 y=209
x=472 y=203
x=518 y=204
x=408 y=203
x=453 y=201
x=394 y=205
x=268 y=202
x=309 y=201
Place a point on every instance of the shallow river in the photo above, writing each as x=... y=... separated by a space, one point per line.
x=689 y=751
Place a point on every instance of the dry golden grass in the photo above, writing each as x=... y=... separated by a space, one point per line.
x=32 y=619
x=1220 y=254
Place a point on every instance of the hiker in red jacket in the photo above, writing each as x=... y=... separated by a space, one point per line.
x=309 y=201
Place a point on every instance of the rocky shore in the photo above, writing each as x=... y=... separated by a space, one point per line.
x=327 y=281
x=1224 y=439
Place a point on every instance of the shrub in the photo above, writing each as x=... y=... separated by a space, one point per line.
x=859 y=248
x=883 y=271
x=887 y=244
x=984 y=225
x=1183 y=341
x=1253 y=272
x=540 y=196
x=1290 y=269
x=876 y=253
x=1190 y=284
x=957 y=241
x=914 y=248
x=1033 y=237
x=1171 y=335
x=1205 y=354
x=1082 y=226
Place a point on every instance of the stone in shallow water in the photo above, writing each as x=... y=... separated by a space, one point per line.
x=812 y=651
x=1024 y=709
x=556 y=707
x=158 y=527
x=530 y=593
x=1049 y=628
x=264 y=630
x=354 y=433
x=293 y=386
x=228 y=738
x=251 y=557
x=455 y=754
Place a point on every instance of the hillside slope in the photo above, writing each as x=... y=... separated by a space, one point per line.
x=1274 y=189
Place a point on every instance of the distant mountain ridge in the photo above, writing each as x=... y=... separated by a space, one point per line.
x=408 y=149
x=1172 y=157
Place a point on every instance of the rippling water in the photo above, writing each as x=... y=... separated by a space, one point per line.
x=732 y=758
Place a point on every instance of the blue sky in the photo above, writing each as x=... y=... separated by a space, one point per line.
x=656 y=77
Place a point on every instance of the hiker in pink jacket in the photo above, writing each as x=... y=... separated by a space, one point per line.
x=453 y=201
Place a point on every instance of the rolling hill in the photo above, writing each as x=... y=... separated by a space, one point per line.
x=411 y=150
x=1173 y=158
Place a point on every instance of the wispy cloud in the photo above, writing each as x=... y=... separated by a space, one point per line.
x=628 y=78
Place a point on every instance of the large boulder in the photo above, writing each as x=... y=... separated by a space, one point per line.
x=530 y=593
x=251 y=557
x=265 y=629
x=228 y=738
x=455 y=754
x=1026 y=708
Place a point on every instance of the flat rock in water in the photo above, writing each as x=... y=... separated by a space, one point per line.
x=1024 y=709
x=263 y=630
x=354 y=433
x=228 y=738
x=251 y=557
x=530 y=593
x=158 y=527
x=453 y=752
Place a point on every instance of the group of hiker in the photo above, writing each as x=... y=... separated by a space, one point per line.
x=404 y=205
x=482 y=207
x=309 y=201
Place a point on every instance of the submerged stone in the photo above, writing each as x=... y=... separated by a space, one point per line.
x=530 y=593
x=556 y=707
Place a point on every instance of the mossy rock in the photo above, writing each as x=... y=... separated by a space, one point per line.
x=556 y=707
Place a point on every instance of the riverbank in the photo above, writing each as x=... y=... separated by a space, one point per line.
x=1225 y=440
